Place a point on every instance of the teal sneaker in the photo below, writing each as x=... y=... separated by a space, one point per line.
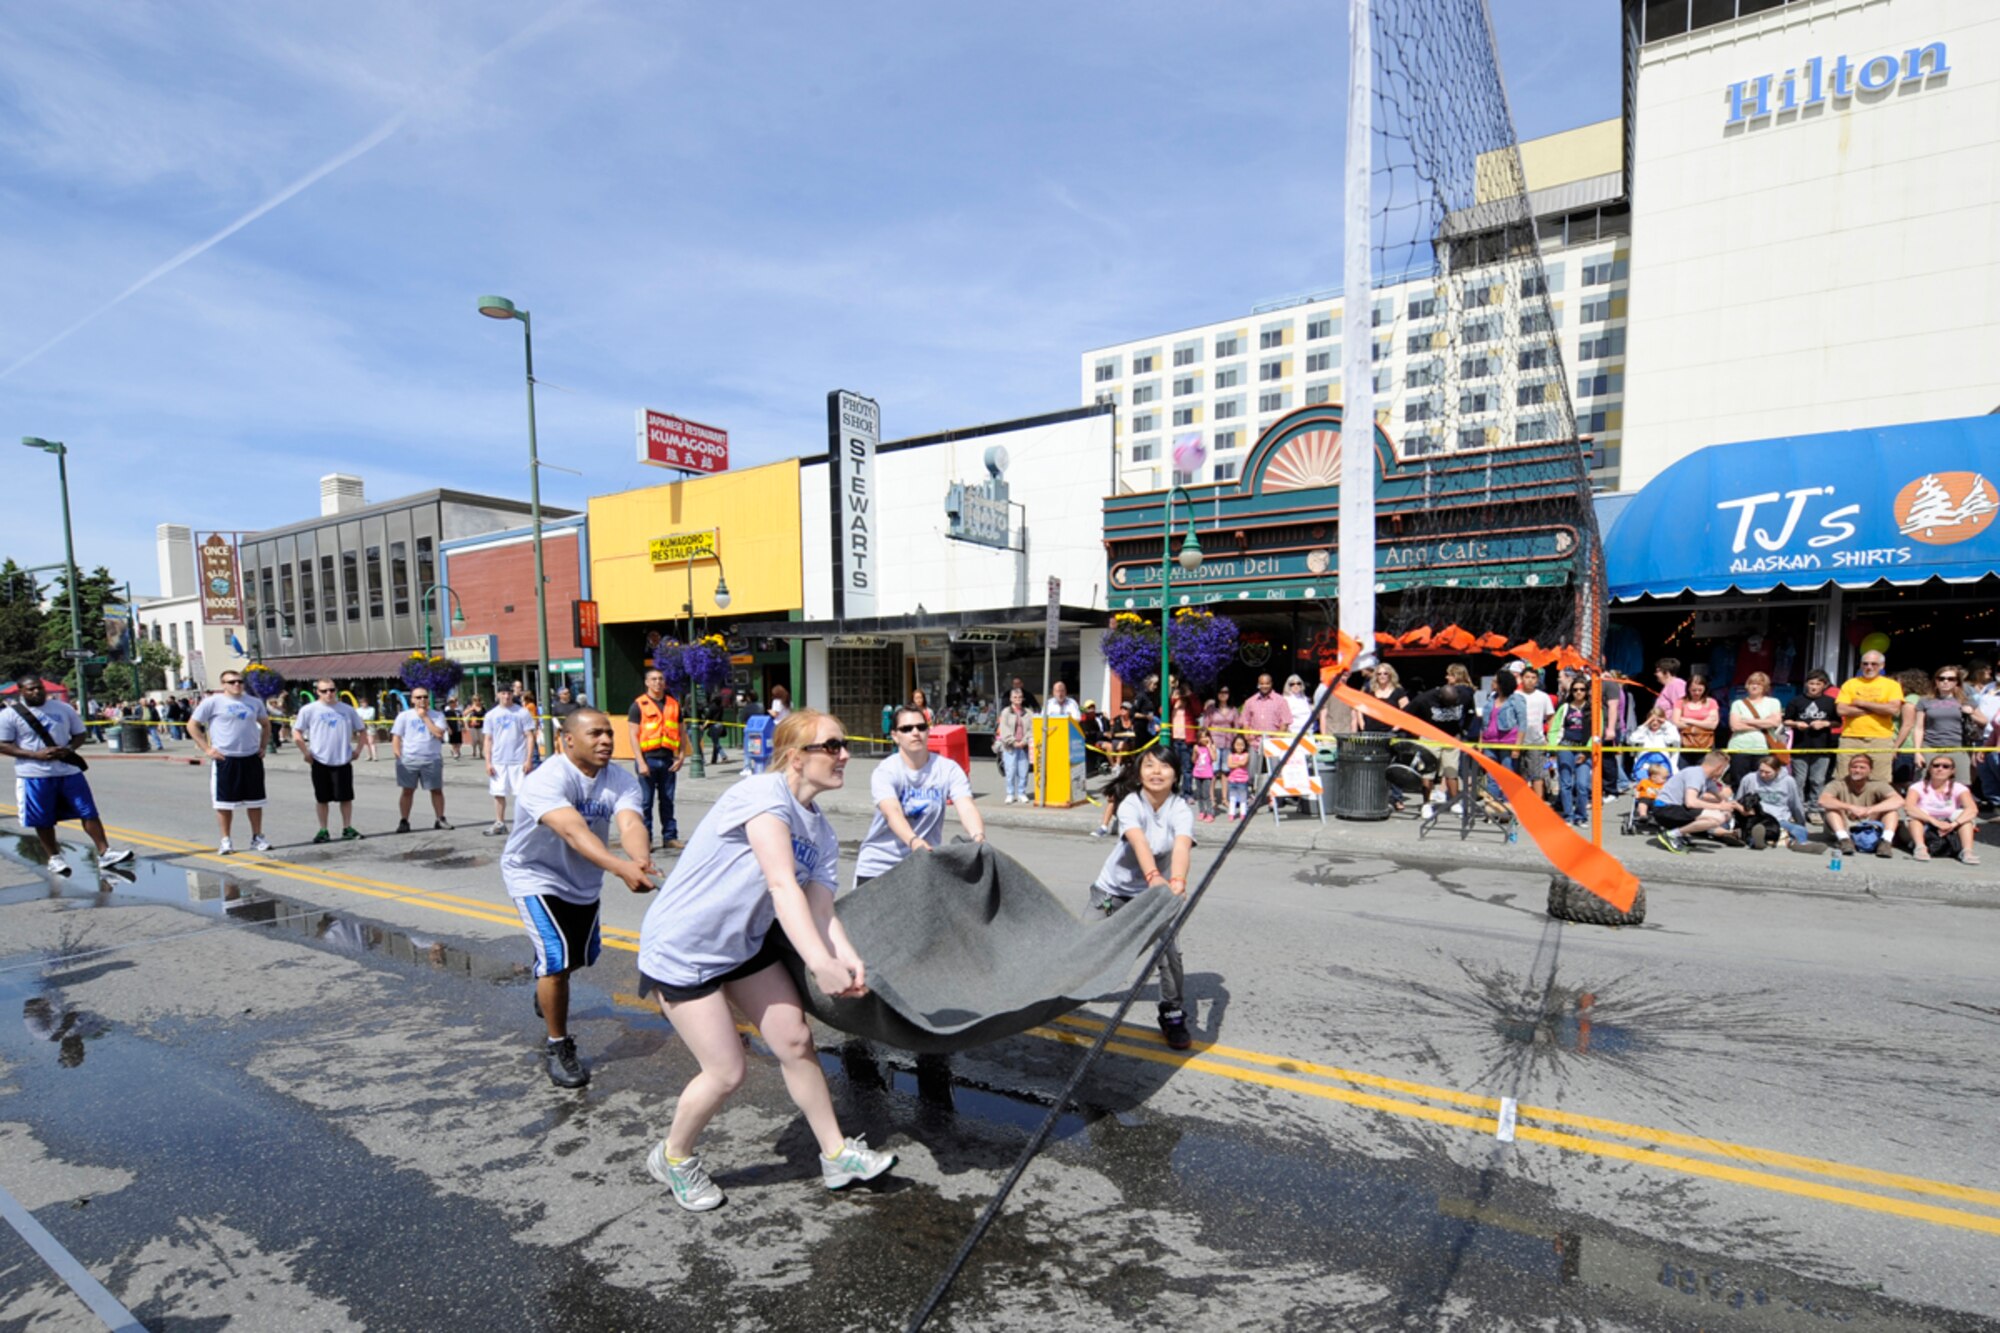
x=322 y=836
x=692 y=1188
x=351 y=834
x=855 y=1161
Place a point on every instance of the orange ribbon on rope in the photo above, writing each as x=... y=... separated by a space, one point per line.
x=1566 y=849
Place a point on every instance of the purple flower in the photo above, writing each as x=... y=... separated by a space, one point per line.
x=703 y=663
x=1132 y=650
x=263 y=682
x=1200 y=645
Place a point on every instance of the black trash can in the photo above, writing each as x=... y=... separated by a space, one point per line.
x=1361 y=779
x=132 y=738
x=1327 y=762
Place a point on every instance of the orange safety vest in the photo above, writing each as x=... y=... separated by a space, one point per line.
x=659 y=723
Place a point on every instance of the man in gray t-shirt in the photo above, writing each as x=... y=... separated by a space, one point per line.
x=419 y=735
x=555 y=862
x=40 y=734
x=910 y=789
x=232 y=729
x=326 y=732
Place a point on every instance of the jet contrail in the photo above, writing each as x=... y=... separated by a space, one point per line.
x=318 y=173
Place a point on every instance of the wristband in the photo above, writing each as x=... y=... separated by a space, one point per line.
x=1152 y=875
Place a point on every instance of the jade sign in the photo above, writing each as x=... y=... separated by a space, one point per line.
x=1438 y=553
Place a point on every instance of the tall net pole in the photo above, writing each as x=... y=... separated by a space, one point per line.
x=1357 y=370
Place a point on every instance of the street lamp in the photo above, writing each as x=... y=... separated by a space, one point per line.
x=499 y=307
x=76 y=653
x=1188 y=559
x=424 y=609
x=697 y=770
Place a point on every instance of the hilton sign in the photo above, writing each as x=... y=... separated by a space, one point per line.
x=1817 y=82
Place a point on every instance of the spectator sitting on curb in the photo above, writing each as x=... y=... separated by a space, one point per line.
x=1694 y=801
x=1777 y=808
x=1861 y=798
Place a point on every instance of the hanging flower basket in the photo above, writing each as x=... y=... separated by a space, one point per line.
x=440 y=675
x=1200 y=644
x=262 y=681
x=703 y=663
x=1132 y=648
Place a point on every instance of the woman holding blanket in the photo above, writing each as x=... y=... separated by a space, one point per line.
x=1155 y=841
x=755 y=884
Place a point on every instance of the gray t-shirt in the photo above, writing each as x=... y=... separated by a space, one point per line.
x=537 y=860
x=63 y=723
x=329 y=731
x=235 y=726
x=1676 y=789
x=1121 y=875
x=715 y=909
x=507 y=733
x=420 y=746
x=923 y=793
x=1944 y=724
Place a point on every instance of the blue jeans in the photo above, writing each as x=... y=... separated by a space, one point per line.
x=1573 y=781
x=658 y=784
x=1014 y=763
x=1185 y=753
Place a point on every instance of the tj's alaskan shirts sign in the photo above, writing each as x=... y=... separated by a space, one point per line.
x=853 y=430
x=1902 y=503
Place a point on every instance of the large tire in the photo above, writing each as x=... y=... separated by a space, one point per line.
x=1570 y=901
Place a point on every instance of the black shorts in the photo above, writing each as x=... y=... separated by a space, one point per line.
x=237 y=782
x=1675 y=816
x=332 y=783
x=775 y=949
x=565 y=934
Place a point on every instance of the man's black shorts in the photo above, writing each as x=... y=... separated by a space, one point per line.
x=332 y=783
x=1674 y=816
x=236 y=782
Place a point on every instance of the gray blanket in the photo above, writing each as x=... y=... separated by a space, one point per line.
x=964 y=946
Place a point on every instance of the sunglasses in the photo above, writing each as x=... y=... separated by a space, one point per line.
x=325 y=689
x=233 y=680
x=835 y=746
x=917 y=726
x=1944 y=679
x=1944 y=763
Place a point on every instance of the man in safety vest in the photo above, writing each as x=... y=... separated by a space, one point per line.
x=660 y=744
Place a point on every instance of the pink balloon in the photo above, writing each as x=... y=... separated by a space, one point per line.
x=1189 y=453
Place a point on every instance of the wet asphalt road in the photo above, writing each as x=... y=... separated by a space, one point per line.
x=301 y=1094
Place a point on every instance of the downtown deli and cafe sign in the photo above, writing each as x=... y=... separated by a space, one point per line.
x=221 y=581
x=675 y=442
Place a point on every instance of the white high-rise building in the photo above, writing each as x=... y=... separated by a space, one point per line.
x=1461 y=364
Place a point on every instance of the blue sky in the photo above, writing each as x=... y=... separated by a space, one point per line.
x=713 y=210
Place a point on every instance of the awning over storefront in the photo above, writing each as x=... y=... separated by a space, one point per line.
x=928 y=622
x=341 y=666
x=1902 y=504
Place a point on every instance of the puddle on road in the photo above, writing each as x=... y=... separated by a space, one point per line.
x=1568 y=1021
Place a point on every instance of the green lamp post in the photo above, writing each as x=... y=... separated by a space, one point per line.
x=424 y=607
x=1190 y=558
x=499 y=307
x=76 y=653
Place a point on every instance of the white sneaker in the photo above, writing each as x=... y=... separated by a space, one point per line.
x=260 y=843
x=225 y=847
x=855 y=1161
x=59 y=867
x=1455 y=808
x=115 y=856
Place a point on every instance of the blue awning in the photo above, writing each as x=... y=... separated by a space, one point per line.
x=1903 y=504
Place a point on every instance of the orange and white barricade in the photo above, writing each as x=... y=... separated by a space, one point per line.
x=1300 y=775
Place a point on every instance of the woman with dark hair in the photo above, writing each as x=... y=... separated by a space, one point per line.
x=755 y=884
x=1697 y=716
x=1183 y=725
x=1943 y=719
x=1155 y=827
x=1575 y=726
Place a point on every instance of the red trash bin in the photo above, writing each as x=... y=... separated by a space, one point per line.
x=950 y=741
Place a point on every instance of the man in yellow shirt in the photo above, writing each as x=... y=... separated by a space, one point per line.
x=1871 y=707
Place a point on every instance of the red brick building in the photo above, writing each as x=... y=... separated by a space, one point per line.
x=492 y=582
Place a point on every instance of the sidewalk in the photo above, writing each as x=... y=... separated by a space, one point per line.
x=1394 y=838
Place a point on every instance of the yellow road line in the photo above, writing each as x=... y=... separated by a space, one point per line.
x=1484 y=1125
x=1618 y=1128
x=1209 y=1059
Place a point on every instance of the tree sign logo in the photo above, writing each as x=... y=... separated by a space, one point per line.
x=1945 y=508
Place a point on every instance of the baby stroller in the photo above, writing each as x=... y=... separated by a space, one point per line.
x=1631 y=823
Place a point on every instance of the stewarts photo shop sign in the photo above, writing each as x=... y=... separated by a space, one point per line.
x=676 y=442
x=221 y=582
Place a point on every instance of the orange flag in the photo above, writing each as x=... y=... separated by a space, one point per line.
x=1567 y=850
x=1493 y=641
